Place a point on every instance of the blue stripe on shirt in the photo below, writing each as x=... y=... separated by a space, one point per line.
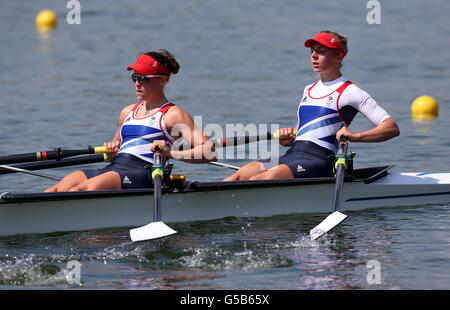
x=320 y=124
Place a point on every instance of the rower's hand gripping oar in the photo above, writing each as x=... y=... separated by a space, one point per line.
x=156 y=229
x=336 y=217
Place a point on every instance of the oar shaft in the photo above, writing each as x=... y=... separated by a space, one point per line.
x=81 y=160
x=338 y=188
x=223 y=165
x=157 y=175
x=157 y=199
x=156 y=229
x=335 y=217
x=234 y=141
x=56 y=154
x=340 y=173
x=14 y=169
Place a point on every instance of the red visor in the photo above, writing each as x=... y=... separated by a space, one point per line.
x=326 y=40
x=146 y=65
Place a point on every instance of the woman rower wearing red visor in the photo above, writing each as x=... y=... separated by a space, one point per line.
x=154 y=121
x=326 y=109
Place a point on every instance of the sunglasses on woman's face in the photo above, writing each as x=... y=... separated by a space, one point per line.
x=142 y=79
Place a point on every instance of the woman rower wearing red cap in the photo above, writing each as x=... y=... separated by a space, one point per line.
x=324 y=113
x=154 y=121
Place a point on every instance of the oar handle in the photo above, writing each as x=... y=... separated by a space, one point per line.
x=275 y=135
x=101 y=150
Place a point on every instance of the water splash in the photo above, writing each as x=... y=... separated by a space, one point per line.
x=32 y=271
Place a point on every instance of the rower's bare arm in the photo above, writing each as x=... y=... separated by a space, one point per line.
x=180 y=124
x=388 y=129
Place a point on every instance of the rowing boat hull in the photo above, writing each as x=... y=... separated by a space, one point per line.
x=44 y=213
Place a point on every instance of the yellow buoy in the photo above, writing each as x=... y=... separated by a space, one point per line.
x=46 y=20
x=424 y=107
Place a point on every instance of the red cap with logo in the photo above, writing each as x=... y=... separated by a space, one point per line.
x=147 y=65
x=326 y=40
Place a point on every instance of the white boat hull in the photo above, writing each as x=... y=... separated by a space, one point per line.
x=205 y=201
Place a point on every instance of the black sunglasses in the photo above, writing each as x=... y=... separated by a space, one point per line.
x=142 y=79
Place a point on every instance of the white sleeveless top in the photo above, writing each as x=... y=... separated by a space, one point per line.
x=138 y=133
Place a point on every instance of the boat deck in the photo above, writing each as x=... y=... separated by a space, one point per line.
x=366 y=175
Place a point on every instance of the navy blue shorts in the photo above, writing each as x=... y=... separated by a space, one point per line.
x=308 y=160
x=130 y=168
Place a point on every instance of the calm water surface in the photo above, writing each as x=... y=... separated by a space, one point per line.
x=241 y=62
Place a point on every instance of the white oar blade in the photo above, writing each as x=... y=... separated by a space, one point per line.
x=327 y=224
x=150 y=231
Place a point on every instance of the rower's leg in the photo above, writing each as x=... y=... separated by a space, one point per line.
x=68 y=182
x=278 y=172
x=107 y=180
x=246 y=171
